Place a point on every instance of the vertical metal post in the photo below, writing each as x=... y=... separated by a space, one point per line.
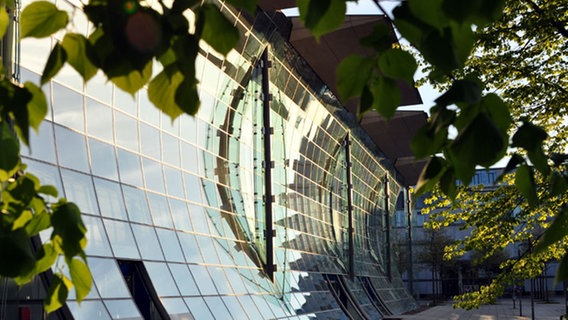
x=350 y=207
x=269 y=267
x=410 y=258
x=387 y=230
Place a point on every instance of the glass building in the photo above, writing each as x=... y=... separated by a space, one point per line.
x=271 y=203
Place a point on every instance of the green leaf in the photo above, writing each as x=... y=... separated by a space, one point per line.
x=37 y=107
x=186 y=96
x=45 y=256
x=397 y=64
x=562 y=271
x=68 y=228
x=55 y=62
x=218 y=31
x=386 y=96
x=41 y=19
x=57 y=293
x=448 y=184
x=249 y=5
x=524 y=181
x=322 y=16
x=349 y=83
x=558 y=184
x=366 y=101
x=40 y=221
x=461 y=91
x=511 y=165
x=9 y=157
x=427 y=141
x=4 y=22
x=429 y=11
x=180 y=6
x=381 y=38
x=498 y=110
x=81 y=277
x=48 y=190
x=557 y=231
x=17 y=258
x=430 y=175
x=162 y=92
x=135 y=80
x=529 y=137
x=75 y=46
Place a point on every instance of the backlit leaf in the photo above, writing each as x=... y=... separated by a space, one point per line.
x=350 y=83
x=134 y=81
x=186 y=96
x=81 y=277
x=4 y=21
x=38 y=223
x=524 y=181
x=41 y=19
x=68 y=228
x=397 y=64
x=162 y=91
x=55 y=62
x=37 y=107
x=218 y=31
x=75 y=46
x=461 y=91
x=430 y=175
x=429 y=11
x=529 y=137
x=322 y=16
x=9 y=158
x=57 y=293
x=386 y=96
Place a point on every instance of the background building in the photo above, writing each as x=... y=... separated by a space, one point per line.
x=242 y=212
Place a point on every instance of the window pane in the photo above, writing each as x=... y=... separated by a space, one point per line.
x=203 y=279
x=161 y=279
x=108 y=278
x=71 y=149
x=199 y=309
x=147 y=242
x=47 y=174
x=190 y=247
x=170 y=150
x=125 y=102
x=150 y=141
x=88 y=310
x=99 y=120
x=103 y=159
x=97 y=242
x=193 y=188
x=189 y=157
x=129 y=168
x=68 y=107
x=137 y=205
x=174 y=182
x=177 y=309
x=198 y=219
x=218 y=307
x=148 y=112
x=160 y=211
x=121 y=239
x=126 y=131
x=184 y=280
x=79 y=189
x=110 y=199
x=42 y=145
x=180 y=215
x=123 y=309
x=153 y=174
x=99 y=87
x=170 y=245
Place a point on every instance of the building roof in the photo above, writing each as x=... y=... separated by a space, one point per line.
x=392 y=137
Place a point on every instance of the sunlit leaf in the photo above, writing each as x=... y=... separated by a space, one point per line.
x=81 y=277
x=524 y=181
x=4 y=21
x=55 y=62
x=45 y=256
x=69 y=228
x=48 y=190
x=134 y=81
x=37 y=107
x=557 y=231
x=386 y=96
x=322 y=16
x=75 y=46
x=41 y=19
x=398 y=64
x=57 y=293
x=162 y=91
x=40 y=221
x=218 y=31
x=349 y=83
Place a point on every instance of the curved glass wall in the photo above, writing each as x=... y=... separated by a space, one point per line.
x=176 y=212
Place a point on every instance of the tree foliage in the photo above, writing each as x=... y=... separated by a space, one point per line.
x=131 y=37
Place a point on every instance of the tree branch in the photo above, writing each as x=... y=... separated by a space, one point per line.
x=555 y=23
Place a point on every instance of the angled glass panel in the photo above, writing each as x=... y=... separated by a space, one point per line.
x=160 y=211
x=126 y=129
x=190 y=248
x=71 y=149
x=129 y=168
x=125 y=102
x=99 y=87
x=150 y=141
x=147 y=242
x=218 y=308
x=148 y=112
x=250 y=307
x=174 y=182
x=42 y=145
x=203 y=279
x=68 y=107
x=199 y=309
x=108 y=278
x=171 y=126
x=176 y=309
x=124 y=309
x=153 y=175
x=236 y=280
x=79 y=189
x=198 y=219
x=184 y=279
x=208 y=250
x=170 y=245
x=193 y=188
x=180 y=215
x=235 y=308
x=170 y=150
x=103 y=159
x=121 y=239
x=189 y=154
x=136 y=205
x=97 y=241
x=188 y=128
x=110 y=199
x=161 y=279
x=99 y=120
x=88 y=310
x=220 y=280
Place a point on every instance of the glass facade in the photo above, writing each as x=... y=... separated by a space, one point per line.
x=177 y=211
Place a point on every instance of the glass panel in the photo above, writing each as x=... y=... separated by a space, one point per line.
x=208 y=250
x=188 y=128
x=68 y=107
x=198 y=219
x=218 y=307
x=235 y=308
x=108 y=278
x=150 y=141
x=160 y=211
x=177 y=309
x=170 y=245
x=190 y=247
x=250 y=307
x=137 y=205
x=193 y=188
x=170 y=150
x=129 y=168
x=203 y=280
x=153 y=174
x=121 y=239
x=97 y=242
x=99 y=87
x=125 y=102
x=148 y=112
x=42 y=145
x=220 y=280
x=189 y=157
x=126 y=131
x=199 y=309
x=180 y=215
x=161 y=279
x=103 y=159
x=174 y=182
x=79 y=189
x=110 y=199
x=123 y=309
x=99 y=117
x=71 y=149
x=88 y=310
x=184 y=279
x=147 y=242
x=47 y=174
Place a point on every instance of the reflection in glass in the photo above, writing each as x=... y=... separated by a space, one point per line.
x=170 y=150
x=199 y=308
x=79 y=189
x=129 y=168
x=123 y=309
x=97 y=242
x=42 y=145
x=192 y=188
x=147 y=242
x=184 y=279
x=88 y=310
x=121 y=239
x=125 y=102
x=203 y=279
x=68 y=107
x=180 y=215
x=153 y=175
x=160 y=211
x=170 y=245
x=99 y=120
x=136 y=205
x=190 y=248
x=103 y=159
x=177 y=309
x=161 y=279
x=108 y=279
x=126 y=131
x=174 y=182
x=71 y=149
x=150 y=141
x=110 y=199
